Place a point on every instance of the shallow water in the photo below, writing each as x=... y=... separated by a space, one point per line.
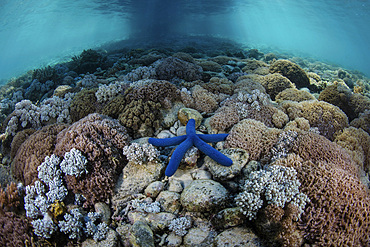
x=37 y=33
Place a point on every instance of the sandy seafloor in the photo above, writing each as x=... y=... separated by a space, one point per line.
x=77 y=169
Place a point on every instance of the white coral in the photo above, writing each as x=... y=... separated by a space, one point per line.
x=74 y=163
x=141 y=153
x=180 y=225
x=277 y=185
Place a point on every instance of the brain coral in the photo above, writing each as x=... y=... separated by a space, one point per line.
x=291 y=71
x=83 y=104
x=338 y=212
x=33 y=151
x=326 y=117
x=100 y=139
x=252 y=136
x=294 y=94
x=172 y=67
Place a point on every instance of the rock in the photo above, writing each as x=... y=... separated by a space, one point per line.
x=104 y=211
x=165 y=134
x=110 y=241
x=159 y=221
x=141 y=235
x=181 y=131
x=237 y=236
x=228 y=217
x=185 y=114
x=170 y=201
x=135 y=178
x=175 y=185
x=239 y=157
x=153 y=189
x=200 y=237
x=134 y=216
x=204 y=195
x=173 y=240
x=201 y=174
x=123 y=231
x=170 y=116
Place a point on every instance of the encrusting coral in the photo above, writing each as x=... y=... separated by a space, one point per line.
x=293 y=94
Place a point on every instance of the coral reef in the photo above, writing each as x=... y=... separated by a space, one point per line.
x=275 y=83
x=140 y=153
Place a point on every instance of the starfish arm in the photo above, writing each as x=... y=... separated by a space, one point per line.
x=212 y=152
x=167 y=141
x=177 y=156
x=190 y=127
x=212 y=137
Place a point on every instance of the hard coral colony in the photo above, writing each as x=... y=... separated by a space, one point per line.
x=88 y=143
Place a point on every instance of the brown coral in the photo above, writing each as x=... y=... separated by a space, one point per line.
x=156 y=91
x=293 y=94
x=18 y=139
x=363 y=121
x=140 y=114
x=275 y=83
x=252 y=136
x=219 y=86
x=101 y=140
x=357 y=143
x=326 y=117
x=292 y=71
x=172 y=68
x=338 y=212
x=204 y=100
x=83 y=104
x=33 y=151
x=224 y=118
x=14 y=230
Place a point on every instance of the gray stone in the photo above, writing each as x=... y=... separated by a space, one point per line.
x=238 y=156
x=201 y=174
x=204 y=195
x=141 y=235
x=104 y=211
x=135 y=178
x=165 y=134
x=229 y=217
x=237 y=236
x=173 y=240
x=170 y=116
x=153 y=189
x=170 y=201
x=175 y=185
x=199 y=237
x=123 y=231
x=110 y=241
x=159 y=221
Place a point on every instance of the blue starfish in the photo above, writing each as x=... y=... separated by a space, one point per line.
x=187 y=141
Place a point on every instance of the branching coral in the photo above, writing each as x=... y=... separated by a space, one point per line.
x=141 y=153
x=277 y=185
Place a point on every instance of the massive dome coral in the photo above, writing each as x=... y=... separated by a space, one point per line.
x=101 y=140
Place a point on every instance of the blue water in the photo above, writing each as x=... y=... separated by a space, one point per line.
x=36 y=33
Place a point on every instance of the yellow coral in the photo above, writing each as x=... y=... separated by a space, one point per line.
x=58 y=208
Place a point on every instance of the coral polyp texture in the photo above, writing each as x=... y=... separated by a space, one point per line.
x=115 y=149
